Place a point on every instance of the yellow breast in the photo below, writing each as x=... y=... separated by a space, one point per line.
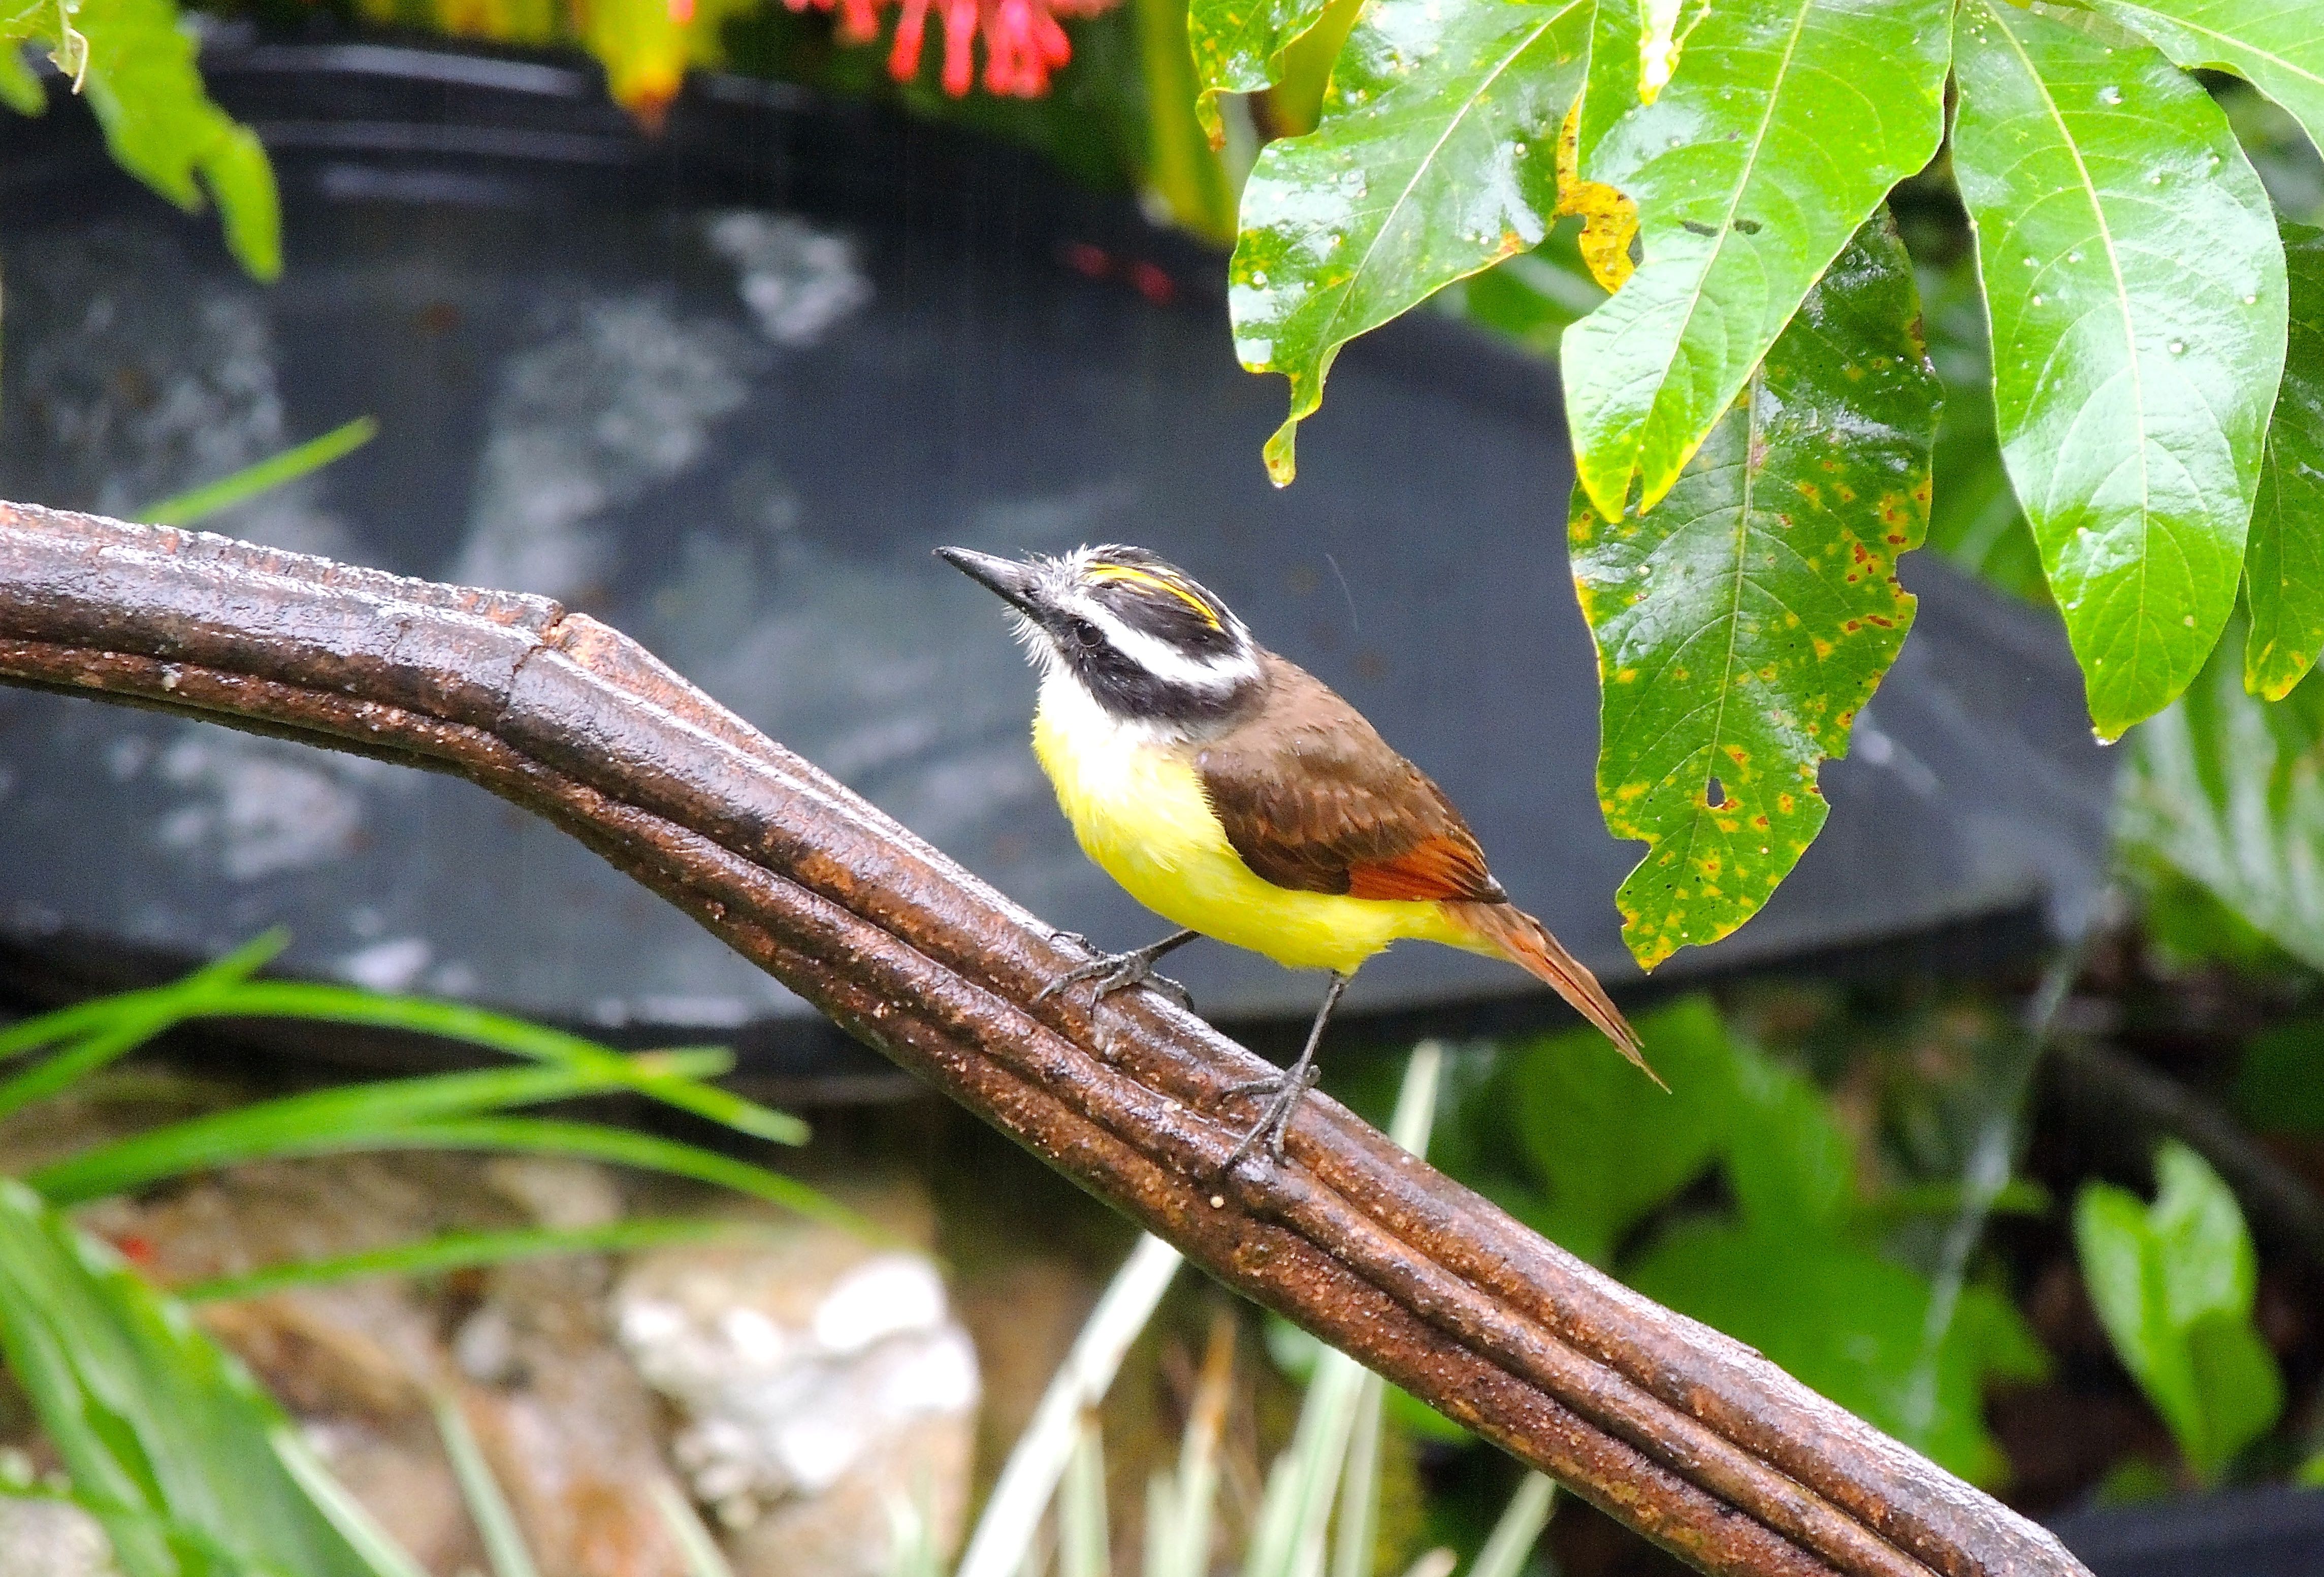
x=1140 y=812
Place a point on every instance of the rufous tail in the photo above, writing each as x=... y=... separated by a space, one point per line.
x=1525 y=941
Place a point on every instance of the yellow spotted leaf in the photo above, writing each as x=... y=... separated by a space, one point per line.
x=1743 y=624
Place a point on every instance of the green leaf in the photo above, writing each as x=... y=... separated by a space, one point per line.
x=2136 y=287
x=1532 y=298
x=203 y=1552
x=1239 y=47
x=1850 y=1325
x=1742 y=624
x=1508 y=1549
x=1786 y=124
x=2228 y=791
x=2173 y=1284
x=1437 y=157
x=2198 y=1229
x=2276 y=45
x=155 y=1426
x=2242 y=1390
x=163 y=128
x=2283 y=566
x=20 y=91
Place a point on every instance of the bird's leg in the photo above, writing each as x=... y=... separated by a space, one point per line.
x=1288 y=1086
x=1116 y=971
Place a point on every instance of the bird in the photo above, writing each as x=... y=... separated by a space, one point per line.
x=1235 y=795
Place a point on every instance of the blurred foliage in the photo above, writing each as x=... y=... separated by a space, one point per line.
x=192 y=1471
x=1742 y=1198
x=134 y=62
x=646 y=46
x=189 y=1467
x=2289 y=164
x=2173 y=1284
x=2226 y=791
x=1974 y=518
x=1530 y=297
x=2278 y=1087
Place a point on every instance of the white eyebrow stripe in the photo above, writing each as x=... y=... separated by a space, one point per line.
x=1163 y=661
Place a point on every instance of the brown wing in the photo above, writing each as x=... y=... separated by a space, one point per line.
x=1313 y=798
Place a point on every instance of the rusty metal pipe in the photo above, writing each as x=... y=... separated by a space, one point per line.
x=1681 y=1433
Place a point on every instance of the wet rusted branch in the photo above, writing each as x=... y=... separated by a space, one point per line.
x=1684 y=1434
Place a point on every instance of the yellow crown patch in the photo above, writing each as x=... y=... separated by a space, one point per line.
x=1104 y=573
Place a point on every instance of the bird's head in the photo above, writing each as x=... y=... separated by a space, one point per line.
x=1141 y=637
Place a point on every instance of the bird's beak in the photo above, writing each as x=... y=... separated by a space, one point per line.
x=1006 y=578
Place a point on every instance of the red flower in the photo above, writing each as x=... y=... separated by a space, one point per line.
x=1023 y=41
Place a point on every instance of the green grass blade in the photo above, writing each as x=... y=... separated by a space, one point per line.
x=156 y=1007
x=1416 y=1098
x=85 y=1057
x=480 y=1026
x=344 y=1513
x=294 y=1124
x=222 y=989
x=466 y=1250
x=1287 y=1537
x=488 y=1509
x=1084 y=1544
x=149 y=1417
x=1342 y=1406
x=1356 y=1531
x=200 y=502
x=1519 y=1528
x=701 y=1552
x=593 y=1141
x=1179 y=1541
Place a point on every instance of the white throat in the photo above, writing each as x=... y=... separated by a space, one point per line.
x=1071 y=710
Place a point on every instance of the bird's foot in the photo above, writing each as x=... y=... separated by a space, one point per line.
x=1276 y=1120
x=1117 y=971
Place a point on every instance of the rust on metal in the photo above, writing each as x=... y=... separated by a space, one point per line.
x=1673 y=1428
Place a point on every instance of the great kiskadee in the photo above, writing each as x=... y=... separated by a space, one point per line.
x=1234 y=794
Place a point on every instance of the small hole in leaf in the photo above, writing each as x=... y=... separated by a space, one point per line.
x=1714 y=794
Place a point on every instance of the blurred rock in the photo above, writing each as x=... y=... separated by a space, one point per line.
x=823 y=1386
x=41 y=1539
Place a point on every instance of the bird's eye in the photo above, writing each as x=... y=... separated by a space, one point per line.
x=1085 y=634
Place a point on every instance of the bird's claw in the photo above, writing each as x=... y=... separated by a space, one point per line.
x=1117 y=971
x=1276 y=1120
